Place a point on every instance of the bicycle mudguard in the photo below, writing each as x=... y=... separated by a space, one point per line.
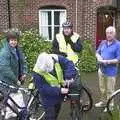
x=75 y=88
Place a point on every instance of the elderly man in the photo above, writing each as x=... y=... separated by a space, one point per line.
x=108 y=55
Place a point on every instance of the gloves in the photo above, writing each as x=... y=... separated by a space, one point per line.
x=22 y=78
x=64 y=90
x=67 y=83
x=18 y=83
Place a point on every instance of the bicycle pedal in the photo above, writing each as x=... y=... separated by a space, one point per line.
x=65 y=99
x=73 y=101
x=2 y=113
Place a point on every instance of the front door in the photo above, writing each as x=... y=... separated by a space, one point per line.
x=104 y=19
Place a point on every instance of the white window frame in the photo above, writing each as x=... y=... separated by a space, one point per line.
x=52 y=24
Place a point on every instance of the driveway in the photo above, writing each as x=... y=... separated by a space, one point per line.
x=91 y=80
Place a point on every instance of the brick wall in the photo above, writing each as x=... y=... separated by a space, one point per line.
x=90 y=17
x=24 y=14
x=3 y=15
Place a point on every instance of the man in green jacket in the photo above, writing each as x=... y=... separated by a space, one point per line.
x=13 y=68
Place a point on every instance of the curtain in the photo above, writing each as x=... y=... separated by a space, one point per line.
x=62 y=19
x=44 y=24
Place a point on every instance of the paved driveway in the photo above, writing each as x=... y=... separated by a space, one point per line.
x=91 y=80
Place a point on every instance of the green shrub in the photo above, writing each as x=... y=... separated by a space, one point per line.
x=116 y=115
x=88 y=61
x=2 y=39
x=32 y=45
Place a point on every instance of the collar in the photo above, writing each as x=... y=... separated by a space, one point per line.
x=110 y=43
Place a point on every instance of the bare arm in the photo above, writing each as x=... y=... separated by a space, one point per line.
x=99 y=58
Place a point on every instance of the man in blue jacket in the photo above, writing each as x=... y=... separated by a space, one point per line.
x=51 y=74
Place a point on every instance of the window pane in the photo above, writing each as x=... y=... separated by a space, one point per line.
x=56 y=30
x=49 y=18
x=46 y=32
x=56 y=18
x=62 y=17
x=44 y=18
x=50 y=33
x=51 y=22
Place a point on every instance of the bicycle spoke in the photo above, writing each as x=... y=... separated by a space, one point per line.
x=113 y=105
x=36 y=111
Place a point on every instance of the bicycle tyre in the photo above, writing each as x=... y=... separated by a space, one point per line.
x=36 y=111
x=113 y=104
x=86 y=99
x=76 y=112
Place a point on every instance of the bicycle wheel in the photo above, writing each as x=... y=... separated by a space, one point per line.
x=113 y=104
x=36 y=111
x=76 y=112
x=86 y=100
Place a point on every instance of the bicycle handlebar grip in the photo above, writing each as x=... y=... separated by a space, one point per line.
x=31 y=86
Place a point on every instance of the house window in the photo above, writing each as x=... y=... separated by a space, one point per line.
x=50 y=22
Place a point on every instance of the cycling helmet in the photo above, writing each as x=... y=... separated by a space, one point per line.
x=67 y=24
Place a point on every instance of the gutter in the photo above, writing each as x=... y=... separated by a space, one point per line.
x=9 y=14
x=76 y=14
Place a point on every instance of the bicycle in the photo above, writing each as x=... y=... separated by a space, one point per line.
x=35 y=109
x=113 y=104
x=29 y=111
x=80 y=103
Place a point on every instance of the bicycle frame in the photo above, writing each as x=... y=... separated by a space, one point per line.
x=32 y=94
x=31 y=98
x=78 y=105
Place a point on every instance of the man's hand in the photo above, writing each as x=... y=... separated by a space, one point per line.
x=22 y=78
x=64 y=90
x=68 y=82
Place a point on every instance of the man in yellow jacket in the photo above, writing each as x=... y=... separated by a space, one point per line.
x=67 y=43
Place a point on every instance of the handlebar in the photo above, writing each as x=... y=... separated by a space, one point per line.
x=26 y=90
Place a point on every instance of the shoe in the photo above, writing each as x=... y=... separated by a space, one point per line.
x=105 y=110
x=100 y=104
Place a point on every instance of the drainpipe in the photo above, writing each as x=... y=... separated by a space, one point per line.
x=76 y=13
x=9 y=14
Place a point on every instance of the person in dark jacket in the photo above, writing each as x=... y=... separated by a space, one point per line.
x=13 y=68
x=51 y=74
x=67 y=43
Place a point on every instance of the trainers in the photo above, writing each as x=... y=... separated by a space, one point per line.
x=105 y=110
x=100 y=104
